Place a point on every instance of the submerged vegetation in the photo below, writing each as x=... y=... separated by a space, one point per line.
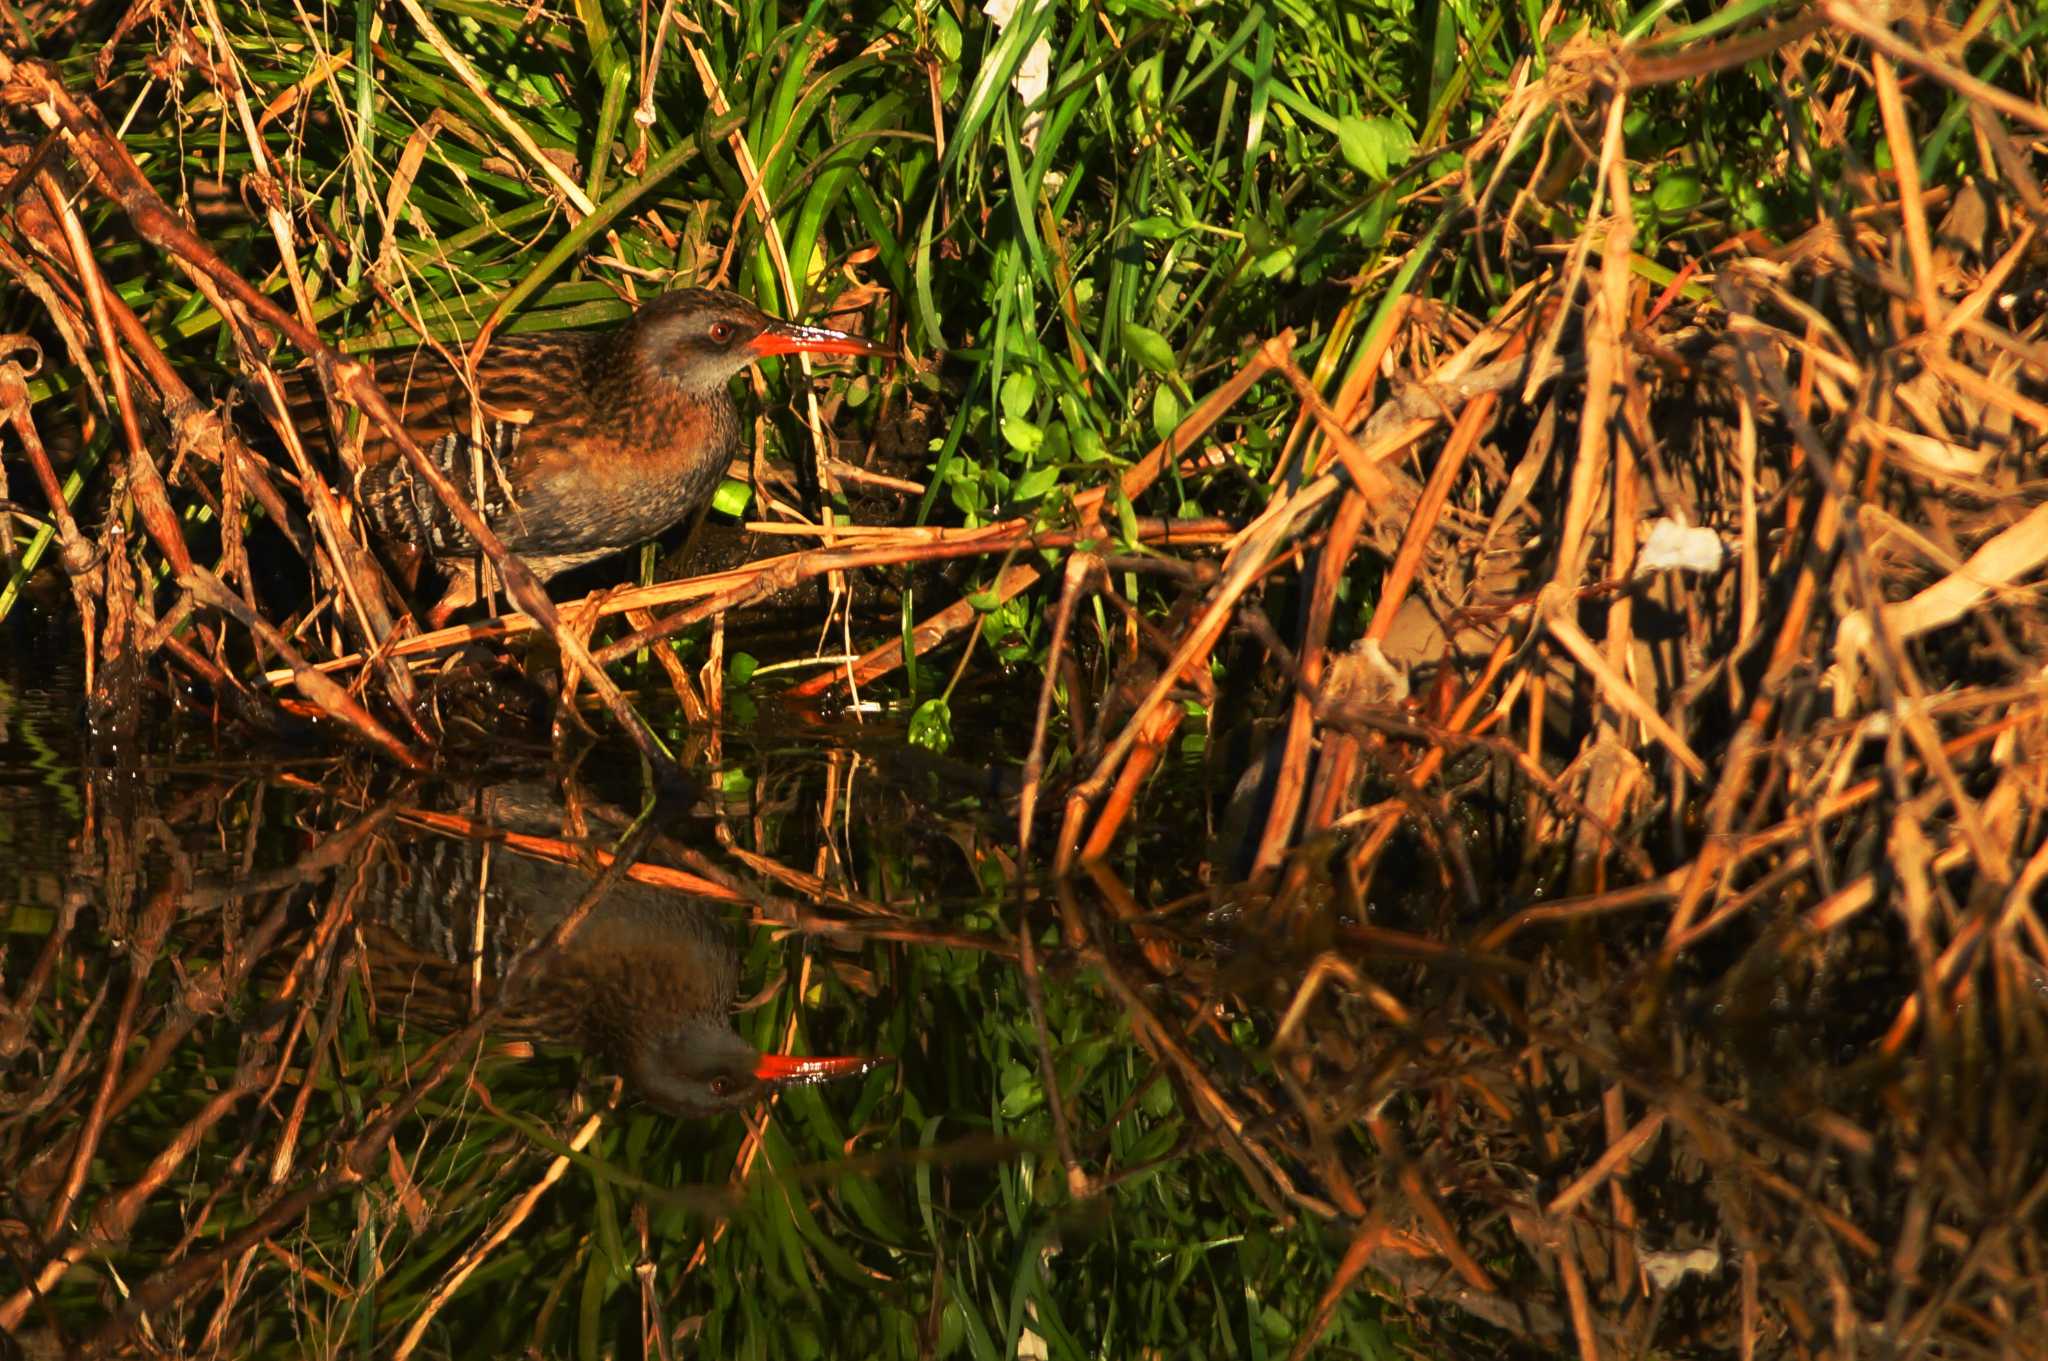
x=1414 y=705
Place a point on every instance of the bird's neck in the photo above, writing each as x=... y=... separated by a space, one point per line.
x=650 y=407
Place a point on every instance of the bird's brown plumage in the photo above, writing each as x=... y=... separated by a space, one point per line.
x=591 y=441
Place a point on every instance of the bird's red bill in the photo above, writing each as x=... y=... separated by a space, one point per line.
x=784 y=337
x=791 y=1069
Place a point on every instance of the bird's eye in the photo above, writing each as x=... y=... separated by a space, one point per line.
x=721 y=332
x=721 y=1086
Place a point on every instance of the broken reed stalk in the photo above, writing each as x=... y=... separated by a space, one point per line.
x=734 y=588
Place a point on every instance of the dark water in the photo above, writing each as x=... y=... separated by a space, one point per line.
x=780 y=824
x=290 y=1037
x=303 y=1056
x=41 y=800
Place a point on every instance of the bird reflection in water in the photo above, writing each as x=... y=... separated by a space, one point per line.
x=645 y=983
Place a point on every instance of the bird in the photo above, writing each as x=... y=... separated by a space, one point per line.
x=592 y=441
x=645 y=984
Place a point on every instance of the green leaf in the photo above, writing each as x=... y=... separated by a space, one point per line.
x=1022 y=435
x=1020 y=393
x=1166 y=412
x=1374 y=145
x=1126 y=516
x=1676 y=193
x=739 y=671
x=1036 y=483
x=1022 y=1096
x=946 y=34
x=931 y=726
x=965 y=491
x=732 y=497
x=1149 y=348
x=1146 y=81
x=952 y=1330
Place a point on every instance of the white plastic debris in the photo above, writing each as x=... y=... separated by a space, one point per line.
x=1034 y=74
x=1666 y=1269
x=1673 y=547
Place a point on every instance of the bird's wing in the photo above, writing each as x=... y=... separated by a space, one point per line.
x=523 y=382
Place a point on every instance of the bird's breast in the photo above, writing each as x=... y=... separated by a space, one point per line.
x=628 y=480
x=572 y=481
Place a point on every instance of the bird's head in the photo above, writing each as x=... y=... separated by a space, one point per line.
x=700 y=1068
x=699 y=338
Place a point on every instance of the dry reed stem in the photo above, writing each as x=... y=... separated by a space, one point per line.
x=146 y=482
x=1366 y=1241
x=78 y=556
x=718 y=592
x=1334 y=558
x=502 y=1228
x=313 y=683
x=1858 y=19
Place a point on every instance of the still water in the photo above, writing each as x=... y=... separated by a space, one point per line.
x=302 y=1057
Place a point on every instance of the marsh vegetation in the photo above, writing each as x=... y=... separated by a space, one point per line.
x=1411 y=705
